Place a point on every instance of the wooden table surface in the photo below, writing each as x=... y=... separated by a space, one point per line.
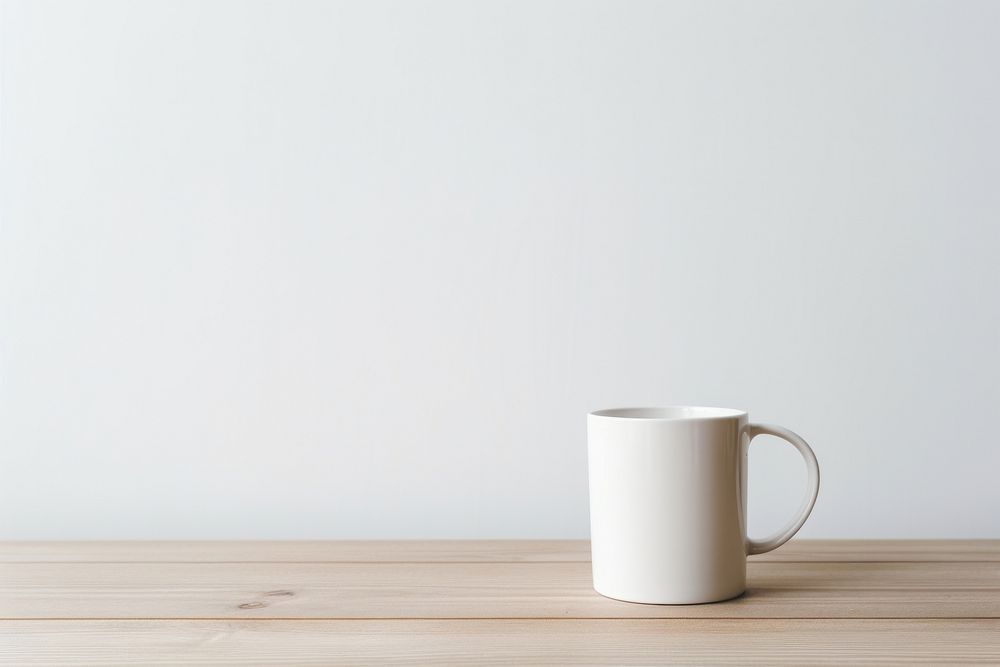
x=495 y=602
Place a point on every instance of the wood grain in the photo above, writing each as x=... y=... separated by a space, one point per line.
x=489 y=602
x=444 y=551
x=501 y=642
x=367 y=551
x=478 y=590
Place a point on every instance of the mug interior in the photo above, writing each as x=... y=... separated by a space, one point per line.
x=670 y=412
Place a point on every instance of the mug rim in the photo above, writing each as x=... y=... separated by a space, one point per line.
x=669 y=413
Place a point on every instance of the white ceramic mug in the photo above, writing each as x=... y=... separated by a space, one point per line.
x=668 y=502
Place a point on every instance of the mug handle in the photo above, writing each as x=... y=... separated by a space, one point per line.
x=786 y=533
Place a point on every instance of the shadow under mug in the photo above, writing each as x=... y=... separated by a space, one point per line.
x=668 y=497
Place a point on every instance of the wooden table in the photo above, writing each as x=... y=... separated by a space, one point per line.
x=497 y=602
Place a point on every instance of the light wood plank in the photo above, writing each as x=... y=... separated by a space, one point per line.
x=477 y=590
x=293 y=551
x=884 y=551
x=496 y=642
x=464 y=551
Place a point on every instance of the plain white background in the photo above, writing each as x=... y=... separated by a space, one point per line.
x=295 y=269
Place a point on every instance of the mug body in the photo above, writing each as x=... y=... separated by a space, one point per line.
x=667 y=503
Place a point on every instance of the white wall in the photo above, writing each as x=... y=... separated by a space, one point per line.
x=360 y=269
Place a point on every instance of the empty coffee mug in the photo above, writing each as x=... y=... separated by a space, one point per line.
x=668 y=497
